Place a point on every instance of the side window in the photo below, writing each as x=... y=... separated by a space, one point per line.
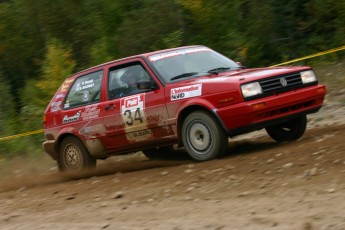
x=123 y=81
x=85 y=90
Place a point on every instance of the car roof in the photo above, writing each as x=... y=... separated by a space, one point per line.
x=144 y=55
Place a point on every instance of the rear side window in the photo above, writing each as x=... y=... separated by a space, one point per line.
x=85 y=90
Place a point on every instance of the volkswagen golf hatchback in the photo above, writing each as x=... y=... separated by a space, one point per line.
x=191 y=97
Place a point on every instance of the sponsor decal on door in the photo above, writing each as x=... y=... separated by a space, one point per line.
x=134 y=118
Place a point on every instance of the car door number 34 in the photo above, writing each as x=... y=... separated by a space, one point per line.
x=130 y=119
x=133 y=112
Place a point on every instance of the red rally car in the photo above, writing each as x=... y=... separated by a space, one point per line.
x=190 y=96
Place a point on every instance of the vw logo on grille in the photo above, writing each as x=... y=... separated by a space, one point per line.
x=283 y=81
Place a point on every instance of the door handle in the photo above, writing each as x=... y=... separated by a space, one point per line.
x=108 y=107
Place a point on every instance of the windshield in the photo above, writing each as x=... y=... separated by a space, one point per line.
x=190 y=62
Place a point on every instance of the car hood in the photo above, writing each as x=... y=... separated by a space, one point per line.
x=231 y=80
x=245 y=75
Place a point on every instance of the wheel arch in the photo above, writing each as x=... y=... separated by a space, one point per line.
x=188 y=110
x=60 y=140
x=80 y=159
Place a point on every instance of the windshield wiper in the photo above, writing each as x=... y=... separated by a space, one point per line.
x=184 y=75
x=219 y=69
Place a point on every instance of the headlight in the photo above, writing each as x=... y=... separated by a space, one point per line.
x=308 y=76
x=251 y=89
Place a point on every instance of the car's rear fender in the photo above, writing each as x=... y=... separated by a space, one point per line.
x=60 y=139
x=94 y=146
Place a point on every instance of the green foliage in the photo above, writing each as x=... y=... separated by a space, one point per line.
x=151 y=26
x=7 y=119
x=100 y=52
x=7 y=113
x=57 y=66
x=174 y=39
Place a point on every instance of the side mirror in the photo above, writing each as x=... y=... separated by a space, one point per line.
x=146 y=85
x=240 y=64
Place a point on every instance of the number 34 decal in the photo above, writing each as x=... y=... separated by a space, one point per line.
x=129 y=117
x=133 y=110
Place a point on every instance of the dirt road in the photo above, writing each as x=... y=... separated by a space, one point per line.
x=260 y=184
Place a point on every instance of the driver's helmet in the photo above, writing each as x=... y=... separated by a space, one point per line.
x=130 y=77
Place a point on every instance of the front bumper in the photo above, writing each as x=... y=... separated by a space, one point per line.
x=257 y=114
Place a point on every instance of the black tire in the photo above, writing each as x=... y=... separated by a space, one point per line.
x=203 y=137
x=74 y=157
x=159 y=153
x=289 y=130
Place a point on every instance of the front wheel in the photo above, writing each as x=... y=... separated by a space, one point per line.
x=74 y=157
x=203 y=137
x=289 y=130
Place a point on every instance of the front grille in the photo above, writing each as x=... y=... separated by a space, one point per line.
x=279 y=84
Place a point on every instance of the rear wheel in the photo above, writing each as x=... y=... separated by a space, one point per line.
x=289 y=130
x=203 y=137
x=74 y=157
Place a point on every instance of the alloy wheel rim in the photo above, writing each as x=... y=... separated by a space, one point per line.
x=72 y=157
x=199 y=137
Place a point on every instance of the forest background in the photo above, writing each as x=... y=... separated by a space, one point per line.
x=43 y=42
